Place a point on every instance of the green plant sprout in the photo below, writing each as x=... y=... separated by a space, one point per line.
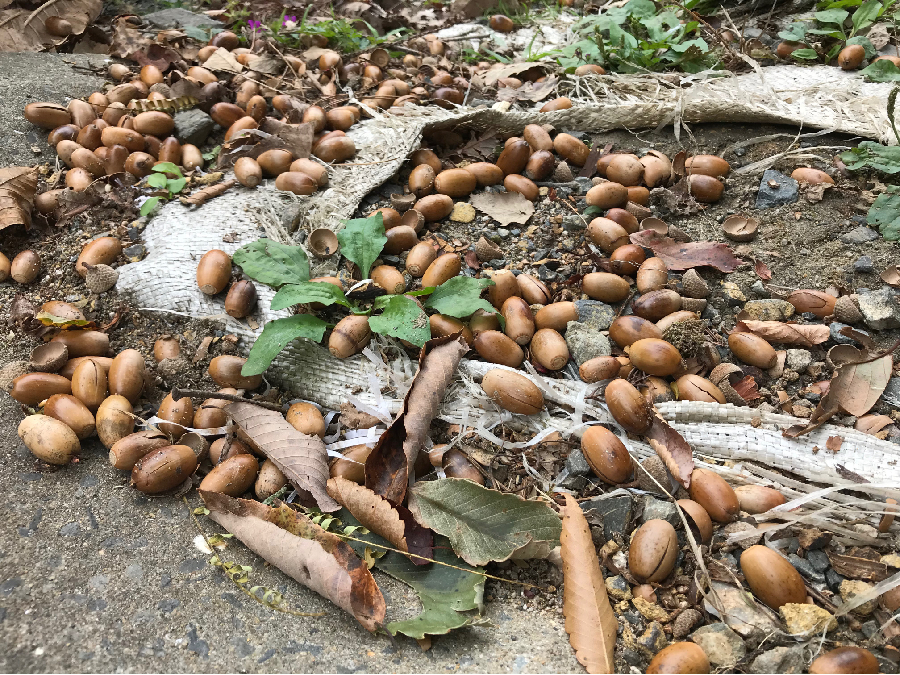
x=160 y=180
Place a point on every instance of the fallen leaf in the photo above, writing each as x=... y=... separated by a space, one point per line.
x=682 y=256
x=301 y=458
x=762 y=270
x=23 y=30
x=833 y=444
x=17 y=187
x=857 y=387
x=64 y=323
x=304 y=551
x=472 y=260
x=590 y=621
x=529 y=91
x=815 y=193
x=891 y=276
x=746 y=388
x=395 y=524
x=479 y=148
x=388 y=466
x=872 y=424
x=805 y=335
x=488 y=78
x=504 y=207
x=672 y=449
x=156 y=55
x=22 y=315
x=448 y=594
x=126 y=38
x=484 y=525
x=223 y=60
x=273 y=134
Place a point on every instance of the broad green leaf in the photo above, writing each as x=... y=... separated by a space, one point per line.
x=866 y=45
x=885 y=213
x=796 y=32
x=866 y=14
x=445 y=593
x=460 y=297
x=167 y=167
x=196 y=33
x=149 y=205
x=275 y=337
x=806 y=54
x=402 y=318
x=309 y=291
x=832 y=16
x=484 y=525
x=881 y=71
x=272 y=263
x=698 y=43
x=361 y=241
x=157 y=180
x=177 y=185
x=872 y=155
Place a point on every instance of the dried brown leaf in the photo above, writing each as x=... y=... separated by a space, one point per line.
x=490 y=77
x=387 y=468
x=682 y=256
x=672 y=449
x=17 y=187
x=529 y=91
x=395 y=524
x=304 y=551
x=207 y=193
x=854 y=567
x=504 y=207
x=805 y=335
x=23 y=30
x=590 y=621
x=156 y=55
x=762 y=270
x=872 y=424
x=857 y=386
x=746 y=388
x=891 y=276
x=301 y=458
x=833 y=444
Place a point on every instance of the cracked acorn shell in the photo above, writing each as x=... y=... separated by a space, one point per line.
x=653 y=551
x=513 y=392
x=49 y=357
x=696 y=388
x=700 y=518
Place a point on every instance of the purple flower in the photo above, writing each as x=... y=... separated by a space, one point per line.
x=254 y=25
x=286 y=19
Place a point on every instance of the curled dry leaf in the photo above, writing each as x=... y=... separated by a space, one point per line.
x=395 y=524
x=746 y=388
x=23 y=29
x=833 y=444
x=805 y=335
x=301 y=458
x=590 y=621
x=672 y=449
x=387 y=468
x=207 y=193
x=762 y=270
x=682 y=256
x=891 y=276
x=17 y=187
x=872 y=424
x=304 y=551
x=504 y=207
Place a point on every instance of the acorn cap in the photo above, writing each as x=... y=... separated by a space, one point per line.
x=10 y=372
x=694 y=285
x=100 y=278
x=486 y=250
x=49 y=357
x=693 y=305
x=847 y=311
x=721 y=377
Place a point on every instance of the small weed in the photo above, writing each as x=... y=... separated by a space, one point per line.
x=160 y=180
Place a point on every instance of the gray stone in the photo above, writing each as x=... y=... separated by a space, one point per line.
x=779 y=660
x=881 y=308
x=885 y=665
x=859 y=235
x=585 y=343
x=892 y=391
x=179 y=18
x=584 y=184
x=818 y=560
x=864 y=265
x=577 y=464
x=776 y=189
x=769 y=310
x=595 y=314
x=836 y=326
x=869 y=628
x=618 y=588
x=798 y=360
x=193 y=126
x=657 y=509
x=759 y=289
x=614 y=512
x=574 y=223
x=805 y=568
x=723 y=646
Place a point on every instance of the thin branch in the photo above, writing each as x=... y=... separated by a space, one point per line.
x=196 y=393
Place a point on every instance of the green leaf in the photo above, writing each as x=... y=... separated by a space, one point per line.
x=402 y=318
x=866 y=14
x=460 y=297
x=872 y=155
x=149 y=205
x=49 y=319
x=272 y=263
x=832 y=16
x=177 y=185
x=448 y=595
x=881 y=71
x=309 y=291
x=485 y=525
x=806 y=54
x=196 y=33
x=866 y=45
x=212 y=154
x=275 y=337
x=361 y=241
x=796 y=32
x=157 y=180
x=167 y=167
x=885 y=213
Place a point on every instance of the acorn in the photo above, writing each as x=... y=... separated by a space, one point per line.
x=652 y=275
x=817 y=302
x=556 y=315
x=180 y=413
x=100 y=278
x=845 y=659
x=48 y=439
x=25 y=267
x=654 y=305
x=456 y=465
x=697 y=515
x=513 y=392
x=163 y=469
x=707 y=165
x=752 y=350
x=549 y=349
x=444 y=268
x=628 y=407
x=711 y=492
x=501 y=23
x=607 y=455
x=599 y=368
x=350 y=336
x=756 y=499
x=680 y=657
x=626 y=330
x=561 y=103
x=653 y=551
x=847 y=311
x=605 y=287
x=655 y=357
x=241 y=299
x=805 y=174
x=772 y=578
x=519 y=320
x=420 y=258
x=225 y=371
x=213 y=272
x=496 y=347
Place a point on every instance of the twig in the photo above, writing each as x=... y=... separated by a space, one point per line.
x=459 y=38
x=196 y=393
x=38 y=11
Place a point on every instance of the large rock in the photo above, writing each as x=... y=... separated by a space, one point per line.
x=595 y=314
x=769 y=310
x=806 y=620
x=585 y=343
x=179 y=18
x=614 y=511
x=859 y=235
x=776 y=189
x=193 y=126
x=723 y=646
x=880 y=309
